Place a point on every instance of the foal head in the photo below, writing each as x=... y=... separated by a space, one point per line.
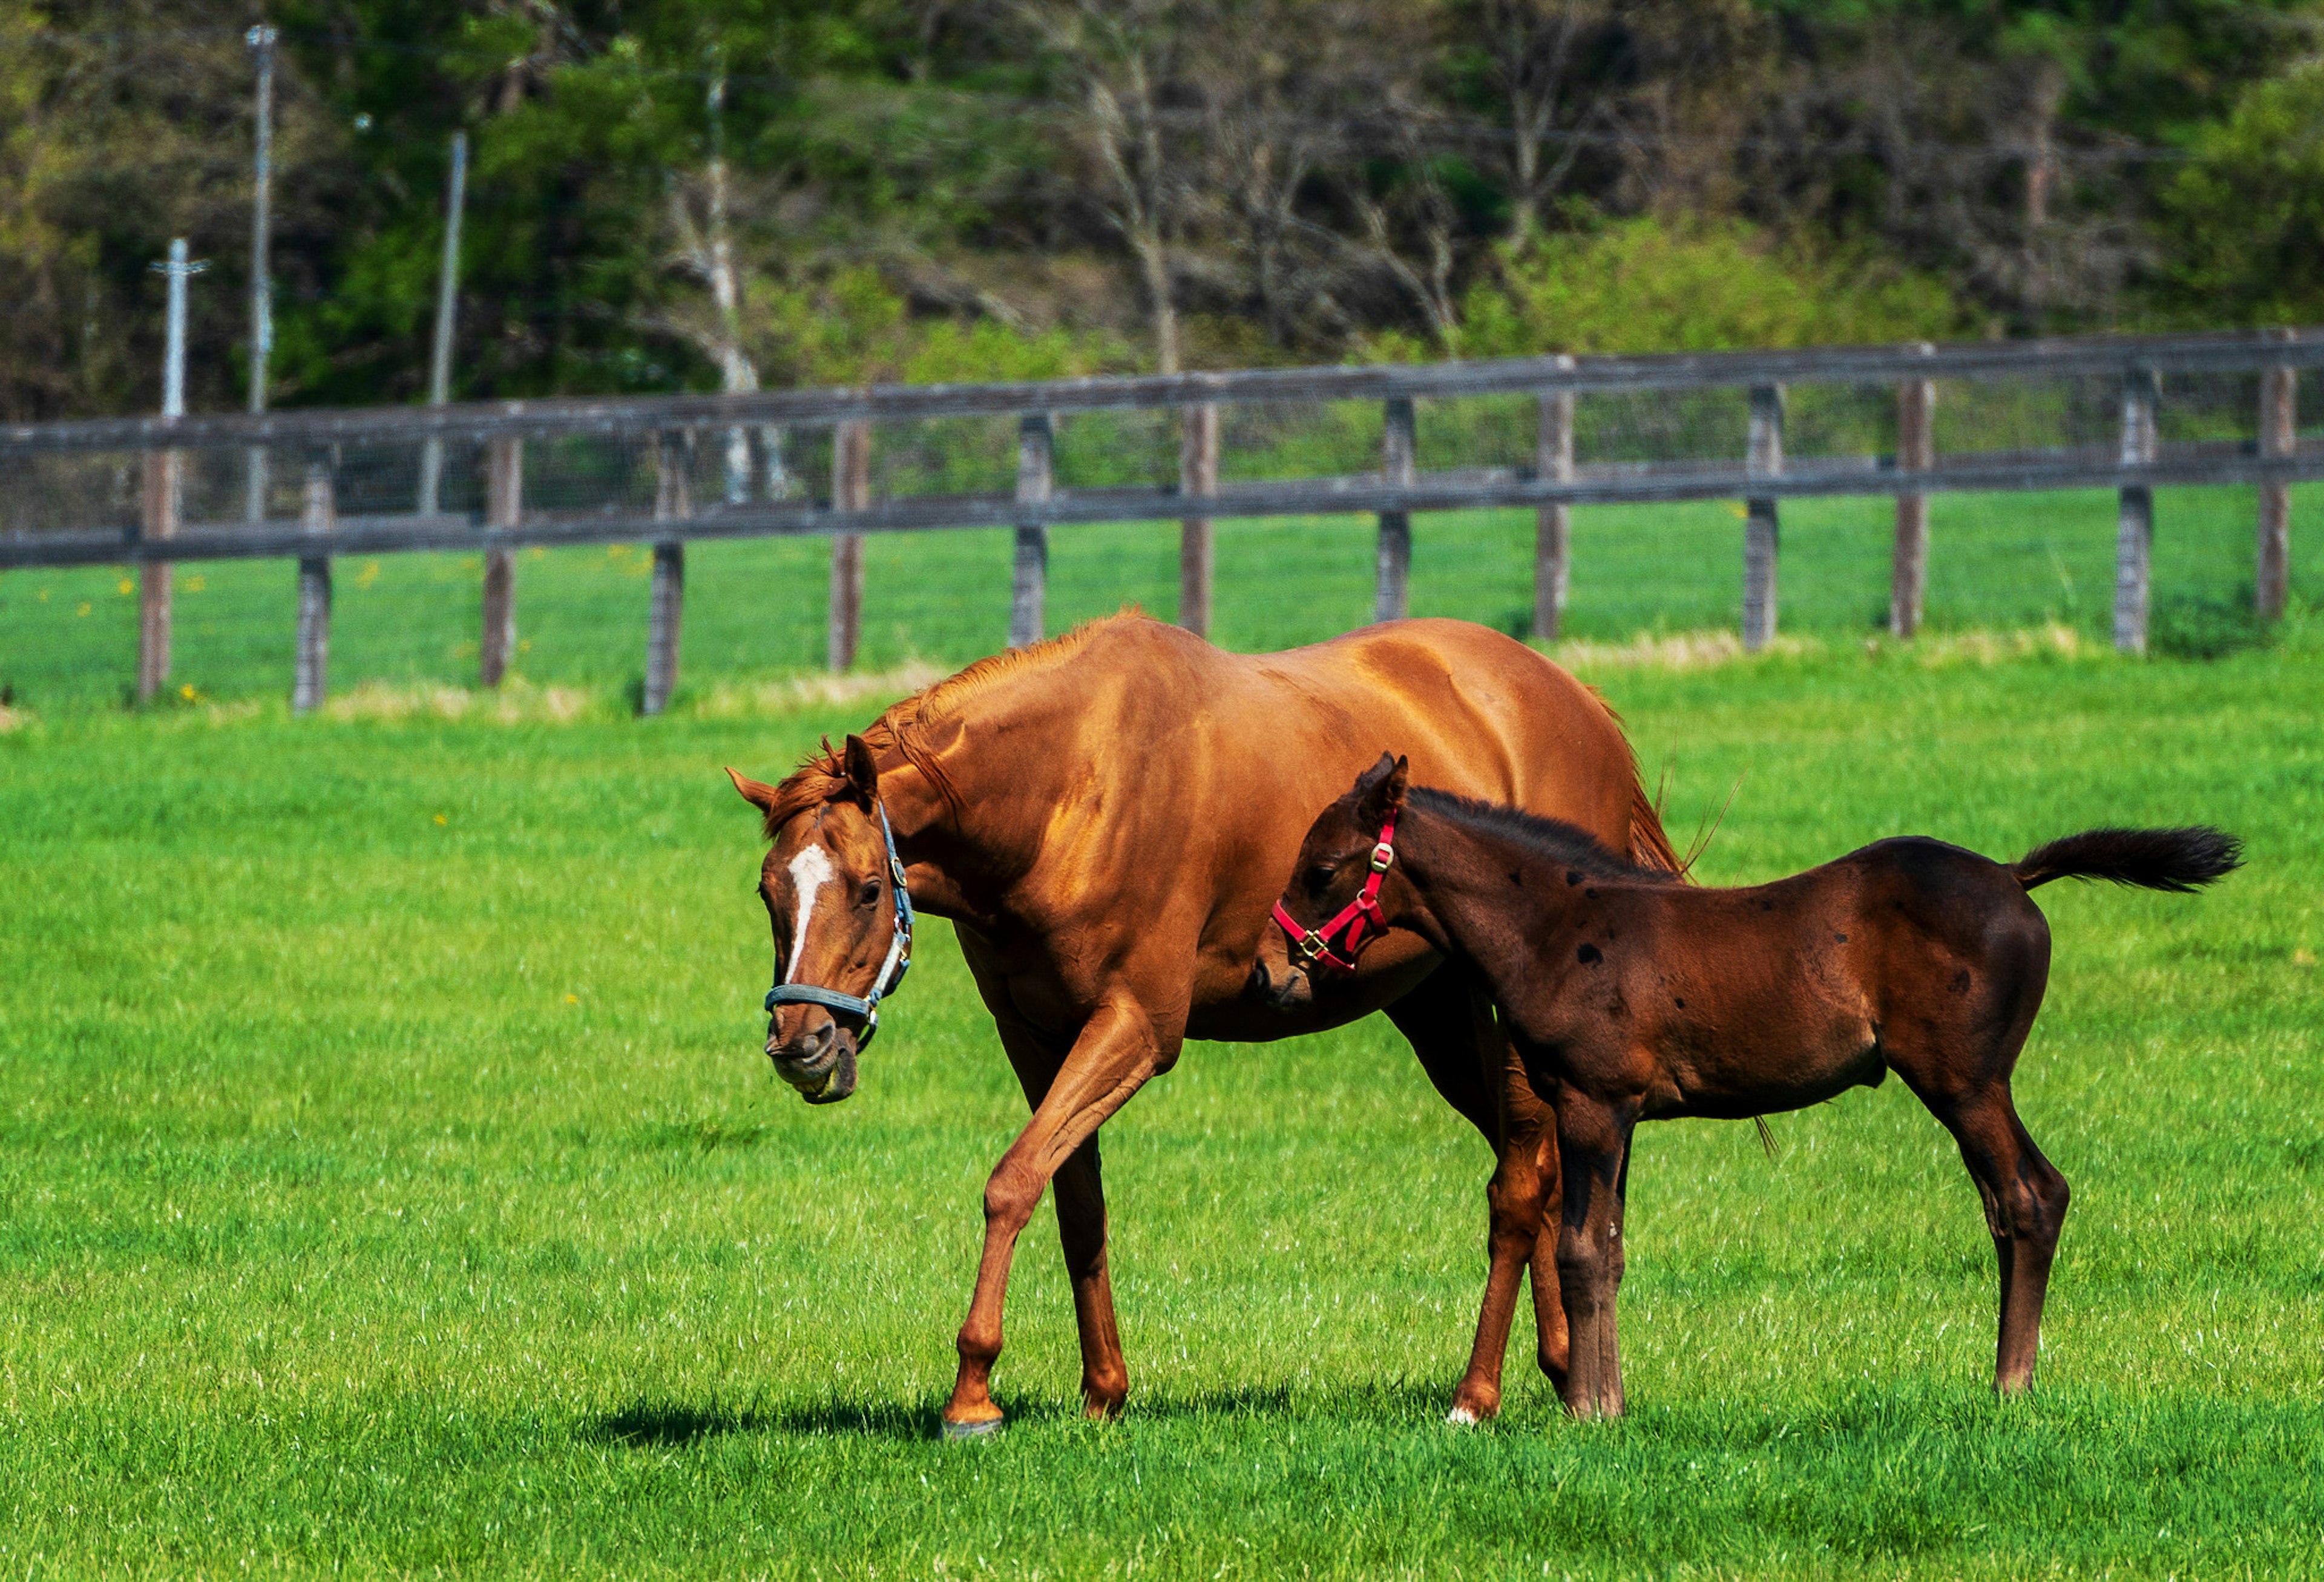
x=827 y=888
x=1332 y=899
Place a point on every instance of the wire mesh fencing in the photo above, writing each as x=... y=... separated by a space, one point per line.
x=1591 y=498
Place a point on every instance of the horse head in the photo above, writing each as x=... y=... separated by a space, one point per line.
x=1330 y=911
x=841 y=919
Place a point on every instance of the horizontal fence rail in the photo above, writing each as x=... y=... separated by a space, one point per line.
x=386 y=534
x=2126 y=413
x=2116 y=355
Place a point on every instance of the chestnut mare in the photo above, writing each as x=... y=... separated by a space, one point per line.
x=1632 y=998
x=1104 y=818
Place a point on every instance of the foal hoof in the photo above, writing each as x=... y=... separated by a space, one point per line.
x=1462 y=1416
x=981 y=1429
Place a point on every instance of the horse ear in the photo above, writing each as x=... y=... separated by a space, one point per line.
x=1379 y=793
x=757 y=793
x=862 y=774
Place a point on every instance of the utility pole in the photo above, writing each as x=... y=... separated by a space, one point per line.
x=260 y=38
x=161 y=489
x=447 y=308
x=737 y=376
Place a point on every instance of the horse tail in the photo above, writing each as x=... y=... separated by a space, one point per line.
x=2181 y=859
x=1649 y=847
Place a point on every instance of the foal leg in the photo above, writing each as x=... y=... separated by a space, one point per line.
x=2024 y=1208
x=1079 y=1191
x=1118 y=1050
x=1462 y=1048
x=1593 y=1146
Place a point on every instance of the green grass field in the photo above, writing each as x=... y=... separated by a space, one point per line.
x=755 y=609
x=390 y=1185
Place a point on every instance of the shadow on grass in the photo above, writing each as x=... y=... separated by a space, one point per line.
x=665 y=1423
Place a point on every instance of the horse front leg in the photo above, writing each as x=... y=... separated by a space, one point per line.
x=1080 y=1228
x=1593 y=1146
x=1117 y=1051
x=1079 y=1192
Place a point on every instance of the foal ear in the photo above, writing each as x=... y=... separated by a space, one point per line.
x=1379 y=791
x=862 y=774
x=757 y=793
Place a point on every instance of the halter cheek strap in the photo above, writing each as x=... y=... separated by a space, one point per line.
x=1310 y=946
x=891 y=970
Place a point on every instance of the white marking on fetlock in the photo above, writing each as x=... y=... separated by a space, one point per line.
x=1461 y=1417
x=810 y=871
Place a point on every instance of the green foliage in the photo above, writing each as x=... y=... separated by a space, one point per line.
x=393 y=1187
x=850 y=327
x=1648 y=285
x=2246 y=215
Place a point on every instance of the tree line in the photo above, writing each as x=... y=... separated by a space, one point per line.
x=703 y=194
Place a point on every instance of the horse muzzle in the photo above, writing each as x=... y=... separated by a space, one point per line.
x=819 y=1061
x=1286 y=989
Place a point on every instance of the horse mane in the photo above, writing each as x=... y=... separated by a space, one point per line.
x=1552 y=837
x=822 y=775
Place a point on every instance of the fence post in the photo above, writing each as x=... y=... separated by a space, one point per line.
x=160 y=521
x=2134 y=523
x=164 y=491
x=503 y=507
x=1392 y=596
x=1916 y=452
x=1552 y=523
x=2279 y=391
x=1029 y=573
x=317 y=514
x=1198 y=479
x=851 y=490
x=1760 y=534
x=665 y=609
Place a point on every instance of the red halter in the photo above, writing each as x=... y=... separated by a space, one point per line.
x=1315 y=944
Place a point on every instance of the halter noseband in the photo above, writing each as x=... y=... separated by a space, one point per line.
x=891 y=970
x=1313 y=946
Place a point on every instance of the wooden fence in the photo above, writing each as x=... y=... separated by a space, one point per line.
x=2266 y=453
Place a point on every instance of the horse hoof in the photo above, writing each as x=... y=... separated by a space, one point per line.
x=1462 y=1416
x=983 y=1428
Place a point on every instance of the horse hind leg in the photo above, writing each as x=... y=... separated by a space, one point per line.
x=1553 y=1346
x=2025 y=1201
x=1451 y=1026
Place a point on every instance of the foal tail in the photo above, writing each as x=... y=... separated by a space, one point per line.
x=2156 y=859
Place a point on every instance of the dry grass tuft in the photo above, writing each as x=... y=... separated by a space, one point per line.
x=522 y=701
x=732 y=699
x=515 y=702
x=1683 y=650
x=1704 y=650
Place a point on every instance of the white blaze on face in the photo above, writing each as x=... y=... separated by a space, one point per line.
x=811 y=869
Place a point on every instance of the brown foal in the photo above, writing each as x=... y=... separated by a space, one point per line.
x=1631 y=997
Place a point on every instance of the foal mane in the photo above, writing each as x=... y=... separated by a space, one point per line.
x=1552 y=837
x=822 y=775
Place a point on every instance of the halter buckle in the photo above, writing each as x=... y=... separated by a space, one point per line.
x=1382 y=855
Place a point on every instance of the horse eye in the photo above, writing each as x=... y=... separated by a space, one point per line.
x=868 y=892
x=1320 y=875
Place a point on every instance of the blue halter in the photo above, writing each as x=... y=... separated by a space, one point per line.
x=891 y=970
